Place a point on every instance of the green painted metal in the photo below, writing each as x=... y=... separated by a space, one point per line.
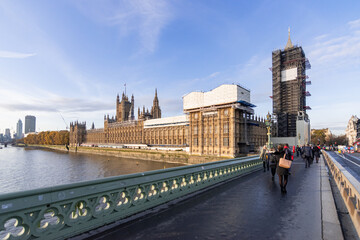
x=63 y=211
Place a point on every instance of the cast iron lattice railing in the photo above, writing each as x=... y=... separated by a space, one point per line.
x=68 y=210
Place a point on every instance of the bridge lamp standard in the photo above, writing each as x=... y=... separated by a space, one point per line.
x=268 y=124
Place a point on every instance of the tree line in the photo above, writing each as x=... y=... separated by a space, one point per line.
x=323 y=137
x=48 y=138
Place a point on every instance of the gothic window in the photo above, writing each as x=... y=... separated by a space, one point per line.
x=226 y=127
x=226 y=142
x=226 y=112
x=215 y=141
x=210 y=143
x=195 y=130
x=195 y=141
x=204 y=141
x=196 y=116
x=210 y=129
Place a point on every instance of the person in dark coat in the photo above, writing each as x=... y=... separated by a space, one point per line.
x=283 y=173
x=308 y=154
x=272 y=163
x=298 y=150
x=313 y=151
x=317 y=153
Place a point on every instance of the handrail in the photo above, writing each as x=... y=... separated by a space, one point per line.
x=62 y=211
x=349 y=188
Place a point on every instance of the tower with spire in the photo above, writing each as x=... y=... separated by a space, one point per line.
x=289 y=82
x=155 y=110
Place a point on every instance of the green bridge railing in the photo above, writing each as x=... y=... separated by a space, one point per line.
x=63 y=211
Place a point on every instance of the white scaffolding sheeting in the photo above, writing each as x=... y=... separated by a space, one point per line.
x=166 y=122
x=289 y=74
x=226 y=93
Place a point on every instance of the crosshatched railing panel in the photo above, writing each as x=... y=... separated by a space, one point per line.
x=67 y=210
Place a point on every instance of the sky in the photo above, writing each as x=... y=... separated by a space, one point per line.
x=66 y=60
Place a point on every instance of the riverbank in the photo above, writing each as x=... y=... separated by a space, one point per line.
x=152 y=155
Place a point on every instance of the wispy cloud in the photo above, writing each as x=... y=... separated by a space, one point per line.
x=144 y=18
x=8 y=54
x=206 y=78
x=59 y=105
x=354 y=24
x=39 y=100
x=343 y=49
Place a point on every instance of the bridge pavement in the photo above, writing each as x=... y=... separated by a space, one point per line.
x=250 y=207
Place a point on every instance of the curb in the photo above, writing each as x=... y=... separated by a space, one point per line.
x=331 y=228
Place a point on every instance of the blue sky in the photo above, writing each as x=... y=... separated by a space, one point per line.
x=71 y=58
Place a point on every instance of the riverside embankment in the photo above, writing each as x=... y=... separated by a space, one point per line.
x=152 y=155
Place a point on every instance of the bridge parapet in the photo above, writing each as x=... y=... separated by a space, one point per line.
x=68 y=210
x=349 y=188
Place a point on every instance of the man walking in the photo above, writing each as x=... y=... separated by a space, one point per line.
x=308 y=155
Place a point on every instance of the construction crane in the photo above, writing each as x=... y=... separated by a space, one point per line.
x=67 y=128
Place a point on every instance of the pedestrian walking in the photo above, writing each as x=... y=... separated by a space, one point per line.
x=264 y=158
x=272 y=163
x=298 y=150
x=317 y=153
x=312 y=156
x=307 y=153
x=283 y=173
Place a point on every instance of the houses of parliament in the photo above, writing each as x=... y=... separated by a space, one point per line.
x=219 y=122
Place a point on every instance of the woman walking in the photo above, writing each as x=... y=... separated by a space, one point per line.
x=263 y=157
x=283 y=173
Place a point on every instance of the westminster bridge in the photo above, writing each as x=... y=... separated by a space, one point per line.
x=231 y=199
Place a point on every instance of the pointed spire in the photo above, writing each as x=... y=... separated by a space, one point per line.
x=289 y=43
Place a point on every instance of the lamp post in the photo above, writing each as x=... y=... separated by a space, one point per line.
x=268 y=127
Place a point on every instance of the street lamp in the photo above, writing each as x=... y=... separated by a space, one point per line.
x=268 y=124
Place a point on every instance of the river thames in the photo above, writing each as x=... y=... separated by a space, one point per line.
x=27 y=168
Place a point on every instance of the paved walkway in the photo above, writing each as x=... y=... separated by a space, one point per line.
x=251 y=207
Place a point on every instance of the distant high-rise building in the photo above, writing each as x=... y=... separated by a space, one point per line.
x=7 y=133
x=19 y=128
x=30 y=123
x=289 y=87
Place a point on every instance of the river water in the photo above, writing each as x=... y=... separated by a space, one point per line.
x=26 y=168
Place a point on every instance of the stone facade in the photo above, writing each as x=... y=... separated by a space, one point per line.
x=221 y=130
x=225 y=131
x=353 y=130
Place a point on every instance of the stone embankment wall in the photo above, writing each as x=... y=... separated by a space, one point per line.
x=152 y=155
